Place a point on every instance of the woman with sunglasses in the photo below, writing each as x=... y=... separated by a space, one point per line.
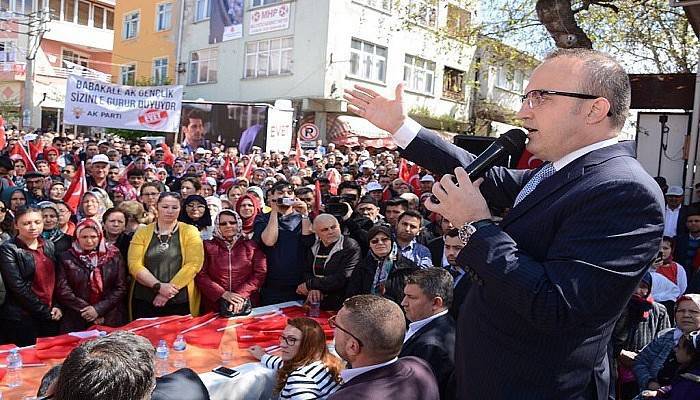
x=164 y=258
x=196 y=212
x=234 y=266
x=91 y=281
x=384 y=271
x=306 y=369
x=28 y=270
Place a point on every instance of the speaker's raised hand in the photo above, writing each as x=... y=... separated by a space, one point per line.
x=385 y=113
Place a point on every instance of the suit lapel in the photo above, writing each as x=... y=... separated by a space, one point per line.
x=423 y=330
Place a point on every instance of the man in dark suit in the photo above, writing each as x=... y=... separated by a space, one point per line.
x=369 y=332
x=675 y=212
x=431 y=333
x=553 y=277
x=686 y=248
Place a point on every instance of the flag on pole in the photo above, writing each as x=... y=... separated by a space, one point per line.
x=228 y=168
x=317 y=198
x=36 y=147
x=168 y=156
x=404 y=172
x=3 y=136
x=20 y=151
x=248 y=171
x=297 y=157
x=76 y=189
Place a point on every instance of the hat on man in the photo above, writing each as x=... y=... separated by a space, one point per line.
x=367 y=164
x=427 y=178
x=200 y=151
x=99 y=158
x=34 y=174
x=366 y=199
x=6 y=162
x=372 y=186
x=674 y=191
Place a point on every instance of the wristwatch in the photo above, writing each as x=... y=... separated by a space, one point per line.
x=468 y=229
x=156 y=287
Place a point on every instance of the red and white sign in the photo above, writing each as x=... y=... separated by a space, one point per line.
x=91 y=102
x=307 y=135
x=269 y=19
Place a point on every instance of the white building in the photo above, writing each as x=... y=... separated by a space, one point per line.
x=309 y=51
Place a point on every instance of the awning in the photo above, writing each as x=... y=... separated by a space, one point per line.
x=346 y=130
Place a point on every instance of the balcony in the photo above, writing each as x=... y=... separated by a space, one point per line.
x=64 y=72
x=71 y=33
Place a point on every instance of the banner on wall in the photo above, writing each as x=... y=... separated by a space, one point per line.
x=226 y=21
x=269 y=19
x=90 y=102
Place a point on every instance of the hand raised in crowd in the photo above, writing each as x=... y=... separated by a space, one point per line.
x=459 y=203
x=56 y=313
x=302 y=290
x=301 y=207
x=89 y=313
x=235 y=300
x=160 y=300
x=383 y=112
x=168 y=290
x=257 y=352
x=315 y=296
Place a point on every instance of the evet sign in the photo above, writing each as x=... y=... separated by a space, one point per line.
x=269 y=19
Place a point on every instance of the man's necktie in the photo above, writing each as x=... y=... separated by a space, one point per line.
x=545 y=172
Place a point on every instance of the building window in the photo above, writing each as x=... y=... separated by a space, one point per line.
x=384 y=5
x=268 y=57
x=131 y=25
x=109 y=19
x=426 y=12
x=201 y=10
x=69 y=10
x=368 y=61
x=203 y=66
x=75 y=58
x=164 y=14
x=55 y=7
x=8 y=52
x=453 y=84
x=20 y=6
x=509 y=79
x=160 y=71
x=83 y=13
x=458 y=20
x=419 y=74
x=259 y=3
x=127 y=74
x=98 y=17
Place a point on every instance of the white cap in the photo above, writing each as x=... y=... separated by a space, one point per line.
x=367 y=164
x=200 y=151
x=674 y=191
x=427 y=178
x=99 y=158
x=29 y=137
x=372 y=186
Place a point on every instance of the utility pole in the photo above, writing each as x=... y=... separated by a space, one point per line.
x=36 y=27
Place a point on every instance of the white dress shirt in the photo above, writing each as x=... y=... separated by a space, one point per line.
x=671 y=221
x=414 y=327
x=409 y=130
x=347 y=374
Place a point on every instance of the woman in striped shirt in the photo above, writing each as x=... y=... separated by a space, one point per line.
x=307 y=370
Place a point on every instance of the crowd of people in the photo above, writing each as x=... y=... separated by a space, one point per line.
x=189 y=230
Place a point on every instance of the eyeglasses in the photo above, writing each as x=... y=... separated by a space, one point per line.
x=195 y=206
x=536 y=97
x=227 y=223
x=379 y=240
x=289 y=340
x=333 y=324
x=3 y=209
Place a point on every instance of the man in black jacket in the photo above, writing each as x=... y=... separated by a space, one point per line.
x=431 y=333
x=331 y=260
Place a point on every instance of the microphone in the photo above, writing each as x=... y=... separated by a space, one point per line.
x=510 y=143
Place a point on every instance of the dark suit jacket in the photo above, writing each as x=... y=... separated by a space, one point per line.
x=435 y=343
x=680 y=254
x=181 y=384
x=437 y=249
x=553 y=278
x=408 y=378
x=459 y=293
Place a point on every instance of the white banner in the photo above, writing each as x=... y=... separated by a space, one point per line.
x=90 y=102
x=269 y=19
x=279 y=130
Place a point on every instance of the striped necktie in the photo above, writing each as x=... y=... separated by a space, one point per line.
x=545 y=172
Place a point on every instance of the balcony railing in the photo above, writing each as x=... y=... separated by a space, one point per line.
x=64 y=72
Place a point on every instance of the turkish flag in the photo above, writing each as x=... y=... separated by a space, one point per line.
x=168 y=156
x=3 y=137
x=317 y=198
x=248 y=172
x=334 y=179
x=404 y=172
x=528 y=161
x=36 y=147
x=228 y=168
x=78 y=187
x=19 y=150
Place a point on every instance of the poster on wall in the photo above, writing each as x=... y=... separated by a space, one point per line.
x=226 y=21
x=269 y=19
x=90 y=102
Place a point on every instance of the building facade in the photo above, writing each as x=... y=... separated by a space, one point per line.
x=76 y=37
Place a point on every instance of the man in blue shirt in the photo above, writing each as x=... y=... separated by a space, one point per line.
x=407 y=227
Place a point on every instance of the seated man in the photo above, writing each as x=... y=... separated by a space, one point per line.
x=331 y=260
x=369 y=332
x=407 y=228
x=431 y=333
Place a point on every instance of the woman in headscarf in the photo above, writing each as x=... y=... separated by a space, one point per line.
x=91 y=206
x=14 y=197
x=656 y=364
x=214 y=204
x=56 y=191
x=258 y=192
x=384 y=271
x=52 y=231
x=7 y=230
x=51 y=156
x=20 y=170
x=234 y=267
x=248 y=207
x=196 y=212
x=91 y=281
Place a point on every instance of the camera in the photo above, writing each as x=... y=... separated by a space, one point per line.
x=285 y=201
x=335 y=205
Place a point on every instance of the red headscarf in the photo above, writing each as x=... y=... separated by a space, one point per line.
x=94 y=259
x=53 y=165
x=248 y=222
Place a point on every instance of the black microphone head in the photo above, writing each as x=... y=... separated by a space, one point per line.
x=513 y=141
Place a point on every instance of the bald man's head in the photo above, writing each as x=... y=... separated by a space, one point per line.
x=327 y=229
